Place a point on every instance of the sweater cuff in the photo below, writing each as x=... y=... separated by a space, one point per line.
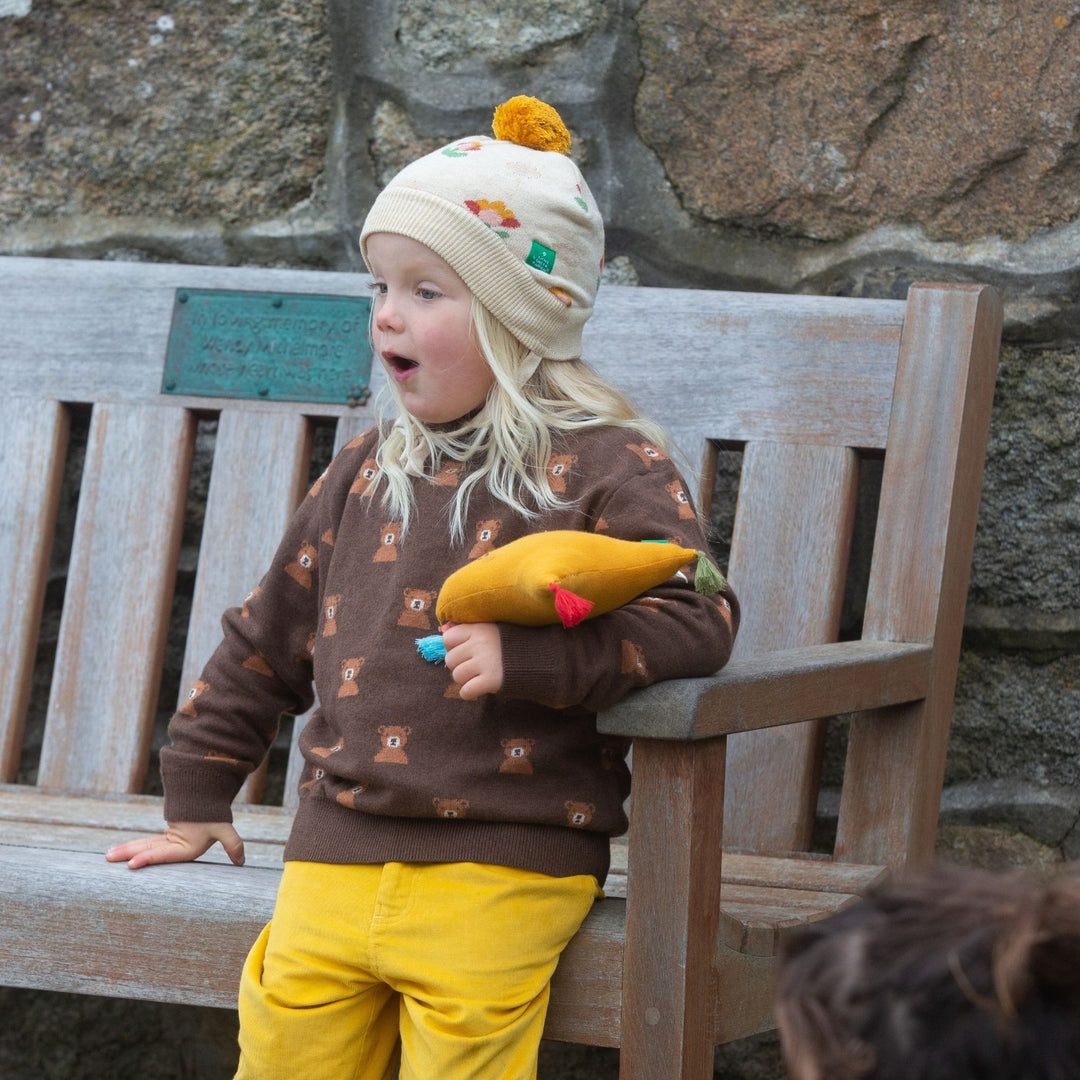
x=532 y=659
x=194 y=793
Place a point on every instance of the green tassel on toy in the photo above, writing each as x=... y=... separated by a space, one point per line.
x=708 y=579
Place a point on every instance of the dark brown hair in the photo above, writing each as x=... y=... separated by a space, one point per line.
x=952 y=975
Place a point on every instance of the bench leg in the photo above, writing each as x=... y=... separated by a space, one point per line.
x=673 y=910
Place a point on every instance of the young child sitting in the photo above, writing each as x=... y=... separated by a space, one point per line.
x=454 y=821
x=956 y=975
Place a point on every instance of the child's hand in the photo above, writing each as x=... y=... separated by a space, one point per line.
x=182 y=841
x=474 y=657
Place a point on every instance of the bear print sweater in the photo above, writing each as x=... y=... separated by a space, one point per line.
x=398 y=766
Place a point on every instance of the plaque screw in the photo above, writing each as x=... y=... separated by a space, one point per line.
x=264 y=391
x=277 y=301
x=170 y=385
x=182 y=298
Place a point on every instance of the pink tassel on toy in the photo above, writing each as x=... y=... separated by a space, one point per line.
x=570 y=607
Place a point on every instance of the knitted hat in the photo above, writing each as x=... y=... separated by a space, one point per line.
x=514 y=218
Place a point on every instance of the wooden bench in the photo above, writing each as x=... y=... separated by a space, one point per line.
x=681 y=955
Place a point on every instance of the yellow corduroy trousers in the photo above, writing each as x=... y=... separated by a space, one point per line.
x=445 y=965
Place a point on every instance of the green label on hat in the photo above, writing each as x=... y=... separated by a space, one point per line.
x=541 y=258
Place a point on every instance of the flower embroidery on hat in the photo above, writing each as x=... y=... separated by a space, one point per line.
x=461 y=149
x=494 y=214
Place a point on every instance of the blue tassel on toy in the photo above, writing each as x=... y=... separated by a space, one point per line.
x=431 y=648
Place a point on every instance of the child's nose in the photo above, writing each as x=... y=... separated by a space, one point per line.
x=387 y=316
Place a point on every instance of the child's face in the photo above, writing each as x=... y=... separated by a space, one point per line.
x=422 y=330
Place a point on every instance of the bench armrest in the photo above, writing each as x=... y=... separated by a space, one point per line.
x=774 y=689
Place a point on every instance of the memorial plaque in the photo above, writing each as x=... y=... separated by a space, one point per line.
x=269 y=346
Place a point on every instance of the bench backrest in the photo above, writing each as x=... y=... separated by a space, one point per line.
x=806 y=387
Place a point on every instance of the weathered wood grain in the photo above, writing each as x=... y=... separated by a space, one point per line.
x=773 y=689
x=347 y=429
x=41 y=810
x=586 y=992
x=706 y=364
x=750 y=367
x=258 y=477
x=922 y=562
x=33 y=441
x=796 y=510
x=119 y=593
x=108 y=325
x=673 y=908
x=176 y=933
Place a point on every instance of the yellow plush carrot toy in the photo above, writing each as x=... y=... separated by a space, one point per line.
x=561 y=576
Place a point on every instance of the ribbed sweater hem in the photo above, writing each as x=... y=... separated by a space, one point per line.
x=326 y=832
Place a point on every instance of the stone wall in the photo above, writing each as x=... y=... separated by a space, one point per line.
x=848 y=147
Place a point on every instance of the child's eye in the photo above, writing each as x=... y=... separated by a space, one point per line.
x=427 y=294
x=378 y=287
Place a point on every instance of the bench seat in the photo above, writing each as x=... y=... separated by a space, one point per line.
x=213 y=910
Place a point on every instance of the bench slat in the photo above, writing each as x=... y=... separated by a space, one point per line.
x=123 y=560
x=259 y=474
x=742 y=366
x=33 y=442
x=348 y=428
x=109 y=322
x=805 y=872
x=747 y=366
x=68 y=837
x=257 y=479
x=45 y=809
x=179 y=933
x=796 y=511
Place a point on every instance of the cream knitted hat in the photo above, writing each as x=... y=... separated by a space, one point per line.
x=514 y=218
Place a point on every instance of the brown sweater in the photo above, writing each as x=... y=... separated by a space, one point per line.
x=399 y=767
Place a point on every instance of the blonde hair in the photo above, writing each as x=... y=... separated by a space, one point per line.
x=510 y=437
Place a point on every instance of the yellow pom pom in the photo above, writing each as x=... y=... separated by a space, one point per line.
x=530 y=122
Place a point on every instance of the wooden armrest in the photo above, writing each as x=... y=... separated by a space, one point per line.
x=774 y=689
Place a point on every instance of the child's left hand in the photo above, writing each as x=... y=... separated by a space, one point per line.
x=474 y=657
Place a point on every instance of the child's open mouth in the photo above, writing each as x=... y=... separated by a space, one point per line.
x=401 y=366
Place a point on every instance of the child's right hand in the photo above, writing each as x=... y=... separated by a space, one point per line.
x=474 y=657
x=182 y=841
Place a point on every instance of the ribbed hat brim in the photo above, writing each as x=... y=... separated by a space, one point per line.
x=501 y=282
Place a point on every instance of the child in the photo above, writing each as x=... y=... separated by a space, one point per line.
x=958 y=975
x=454 y=820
